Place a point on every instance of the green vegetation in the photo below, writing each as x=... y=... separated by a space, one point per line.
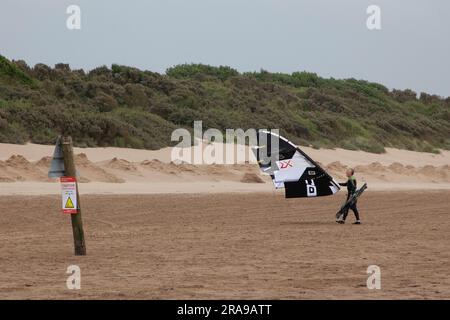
x=9 y=70
x=126 y=107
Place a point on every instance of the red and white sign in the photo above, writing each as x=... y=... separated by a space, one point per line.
x=69 y=195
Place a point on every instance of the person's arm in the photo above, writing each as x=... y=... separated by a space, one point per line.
x=343 y=184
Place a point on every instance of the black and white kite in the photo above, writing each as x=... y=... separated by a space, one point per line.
x=291 y=168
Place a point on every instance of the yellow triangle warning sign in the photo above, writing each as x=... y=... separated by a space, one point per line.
x=69 y=204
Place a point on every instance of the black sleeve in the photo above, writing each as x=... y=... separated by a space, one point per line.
x=343 y=184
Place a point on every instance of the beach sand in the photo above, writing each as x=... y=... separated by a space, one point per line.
x=156 y=230
x=227 y=246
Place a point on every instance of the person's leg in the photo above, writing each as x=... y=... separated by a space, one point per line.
x=346 y=209
x=344 y=216
x=355 y=211
x=340 y=217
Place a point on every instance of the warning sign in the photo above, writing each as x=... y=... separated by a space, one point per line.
x=69 y=194
x=69 y=204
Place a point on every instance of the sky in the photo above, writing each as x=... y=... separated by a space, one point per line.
x=328 y=37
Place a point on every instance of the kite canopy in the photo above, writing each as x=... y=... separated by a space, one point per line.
x=291 y=168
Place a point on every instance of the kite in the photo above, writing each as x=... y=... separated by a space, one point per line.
x=292 y=169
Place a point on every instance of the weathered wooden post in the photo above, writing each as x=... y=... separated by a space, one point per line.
x=70 y=171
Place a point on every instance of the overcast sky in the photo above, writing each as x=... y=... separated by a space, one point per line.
x=412 y=50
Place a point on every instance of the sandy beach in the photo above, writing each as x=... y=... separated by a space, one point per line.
x=227 y=246
x=157 y=230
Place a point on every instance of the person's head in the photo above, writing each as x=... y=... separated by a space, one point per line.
x=350 y=172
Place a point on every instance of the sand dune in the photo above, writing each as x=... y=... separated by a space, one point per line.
x=34 y=152
x=18 y=168
x=127 y=166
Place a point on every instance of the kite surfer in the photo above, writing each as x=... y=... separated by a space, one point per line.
x=301 y=176
x=351 y=189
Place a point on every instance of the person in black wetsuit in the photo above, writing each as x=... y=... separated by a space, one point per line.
x=351 y=188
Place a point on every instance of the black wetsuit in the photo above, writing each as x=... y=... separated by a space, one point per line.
x=351 y=188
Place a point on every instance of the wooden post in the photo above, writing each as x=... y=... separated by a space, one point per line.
x=70 y=171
